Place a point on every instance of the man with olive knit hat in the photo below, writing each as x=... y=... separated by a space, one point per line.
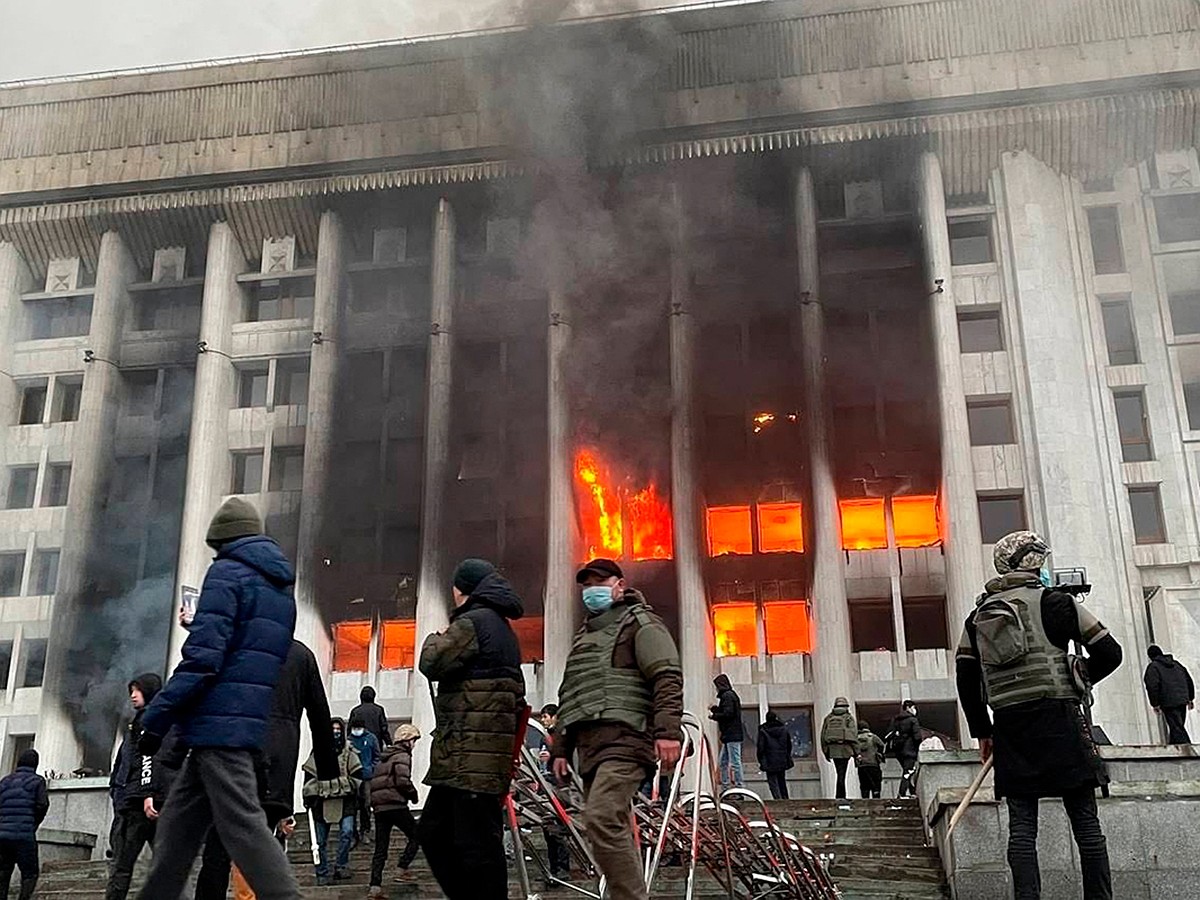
x=476 y=663
x=220 y=697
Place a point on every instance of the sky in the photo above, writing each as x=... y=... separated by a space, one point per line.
x=47 y=38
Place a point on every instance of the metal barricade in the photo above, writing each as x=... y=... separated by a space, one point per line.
x=731 y=837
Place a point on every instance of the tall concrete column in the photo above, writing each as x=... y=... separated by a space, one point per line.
x=318 y=434
x=208 y=470
x=15 y=279
x=433 y=603
x=91 y=463
x=832 y=660
x=963 y=543
x=695 y=623
x=562 y=607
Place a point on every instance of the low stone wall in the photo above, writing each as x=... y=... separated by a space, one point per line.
x=1150 y=821
x=81 y=807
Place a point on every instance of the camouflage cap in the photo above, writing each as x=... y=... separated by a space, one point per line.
x=1021 y=551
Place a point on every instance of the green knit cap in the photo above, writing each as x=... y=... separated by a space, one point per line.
x=237 y=518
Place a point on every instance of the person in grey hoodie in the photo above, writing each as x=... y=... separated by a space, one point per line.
x=1171 y=691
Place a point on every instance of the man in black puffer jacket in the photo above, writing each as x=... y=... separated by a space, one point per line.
x=221 y=695
x=1171 y=691
x=476 y=662
x=23 y=804
x=775 y=754
x=727 y=713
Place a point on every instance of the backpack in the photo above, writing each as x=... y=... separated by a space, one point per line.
x=841 y=729
x=1000 y=635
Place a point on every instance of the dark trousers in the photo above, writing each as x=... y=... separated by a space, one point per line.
x=908 y=776
x=218 y=788
x=462 y=834
x=385 y=821
x=24 y=856
x=213 y=881
x=558 y=849
x=364 y=805
x=841 y=765
x=777 y=783
x=1080 y=805
x=1176 y=718
x=870 y=781
x=136 y=831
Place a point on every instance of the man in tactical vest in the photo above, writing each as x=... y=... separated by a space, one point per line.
x=1013 y=657
x=839 y=741
x=620 y=706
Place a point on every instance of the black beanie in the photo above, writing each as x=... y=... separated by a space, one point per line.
x=1154 y=651
x=470 y=572
x=28 y=759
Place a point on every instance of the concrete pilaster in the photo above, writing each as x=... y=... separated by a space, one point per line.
x=562 y=606
x=91 y=462
x=695 y=623
x=831 y=658
x=15 y=279
x=1083 y=508
x=433 y=602
x=318 y=434
x=208 y=471
x=963 y=544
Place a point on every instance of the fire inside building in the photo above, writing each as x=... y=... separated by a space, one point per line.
x=791 y=309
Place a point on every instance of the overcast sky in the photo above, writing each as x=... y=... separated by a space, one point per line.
x=43 y=38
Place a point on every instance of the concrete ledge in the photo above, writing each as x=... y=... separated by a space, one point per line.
x=60 y=845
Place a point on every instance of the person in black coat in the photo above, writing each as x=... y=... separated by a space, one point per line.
x=24 y=803
x=727 y=713
x=373 y=715
x=904 y=743
x=1171 y=692
x=220 y=696
x=775 y=754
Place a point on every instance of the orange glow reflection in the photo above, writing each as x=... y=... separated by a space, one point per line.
x=735 y=629
x=530 y=631
x=729 y=530
x=863 y=524
x=351 y=641
x=399 y=644
x=780 y=528
x=788 y=626
x=601 y=507
x=915 y=520
x=649 y=524
x=619 y=519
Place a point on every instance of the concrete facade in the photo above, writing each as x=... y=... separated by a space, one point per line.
x=1006 y=219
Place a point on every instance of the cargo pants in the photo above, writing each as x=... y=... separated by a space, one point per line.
x=606 y=821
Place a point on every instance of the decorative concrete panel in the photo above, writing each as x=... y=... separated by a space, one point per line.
x=788 y=667
x=738 y=668
x=930 y=664
x=875 y=665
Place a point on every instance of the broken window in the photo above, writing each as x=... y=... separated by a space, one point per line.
x=925 y=625
x=351 y=646
x=915 y=521
x=871 y=624
x=780 y=528
x=398 y=645
x=863 y=524
x=735 y=627
x=729 y=530
x=788 y=626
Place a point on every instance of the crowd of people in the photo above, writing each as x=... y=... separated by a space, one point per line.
x=209 y=761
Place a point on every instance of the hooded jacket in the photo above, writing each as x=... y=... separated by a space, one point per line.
x=869 y=753
x=127 y=758
x=147 y=776
x=221 y=693
x=1168 y=683
x=727 y=712
x=476 y=663
x=391 y=786
x=774 y=745
x=906 y=735
x=373 y=716
x=24 y=803
x=337 y=798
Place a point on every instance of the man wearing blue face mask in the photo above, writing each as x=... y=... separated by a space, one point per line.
x=620 y=707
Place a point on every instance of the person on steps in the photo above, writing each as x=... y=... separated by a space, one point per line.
x=868 y=758
x=334 y=801
x=480 y=704
x=1013 y=656
x=24 y=803
x=774 y=747
x=367 y=746
x=727 y=713
x=391 y=790
x=373 y=715
x=220 y=696
x=904 y=742
x=1171 y=691
x=839 y=741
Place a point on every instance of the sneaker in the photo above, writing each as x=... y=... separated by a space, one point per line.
x=375 y=890
x=403 y=876
x=341 y=874
x=324 y=881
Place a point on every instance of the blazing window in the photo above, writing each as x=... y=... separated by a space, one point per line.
x=399 y=644
x=863 y=524
x=780 y=528
x=618 y=517
x=916 y=521
x=600 y=507
x=788 y=626
x=351 y=646
x=729 y=530
x=649 y=524
x=530 y=631
x=735 y=627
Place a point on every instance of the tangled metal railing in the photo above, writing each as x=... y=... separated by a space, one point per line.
x=731 y=836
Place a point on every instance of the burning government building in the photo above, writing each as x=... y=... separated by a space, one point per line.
x=793 y=310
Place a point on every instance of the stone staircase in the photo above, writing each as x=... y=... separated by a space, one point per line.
x=878 y=850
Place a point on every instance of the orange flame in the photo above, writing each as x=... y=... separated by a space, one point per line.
x=602 y=521
x=616 y=518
